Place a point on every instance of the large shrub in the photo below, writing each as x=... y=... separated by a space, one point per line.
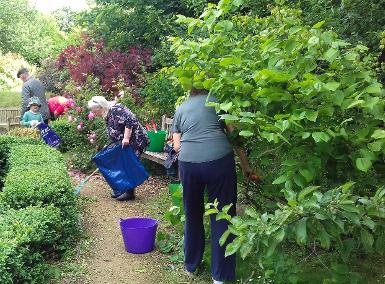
x=109 y=67
x=310 y=111
x=70 y=136
x=38 y=209
x=27 y=237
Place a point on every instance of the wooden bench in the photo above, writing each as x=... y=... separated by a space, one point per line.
x=161 y=157
x=9 y=117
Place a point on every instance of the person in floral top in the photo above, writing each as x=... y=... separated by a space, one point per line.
x=122 y=127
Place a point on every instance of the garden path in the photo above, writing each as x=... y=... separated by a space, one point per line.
x=106 y=261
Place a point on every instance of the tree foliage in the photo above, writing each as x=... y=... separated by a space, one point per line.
x=25 y=31
x=311 y=112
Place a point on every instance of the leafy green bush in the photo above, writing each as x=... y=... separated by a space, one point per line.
x=37 y=176
x=38 y=210
x=70 y=136
x=160 y=95
x=27 y=237
x=311 y=113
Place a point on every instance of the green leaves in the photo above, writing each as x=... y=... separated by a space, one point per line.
x=367 y=239
x=320 y=137
x=301 y=231
x=363 y=164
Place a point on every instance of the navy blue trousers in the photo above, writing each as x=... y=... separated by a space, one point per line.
x=219 y=177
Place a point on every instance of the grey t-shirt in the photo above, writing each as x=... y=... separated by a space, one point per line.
x=203 y=137
x=34 y=88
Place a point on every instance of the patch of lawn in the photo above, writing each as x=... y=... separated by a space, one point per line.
x=10 y=99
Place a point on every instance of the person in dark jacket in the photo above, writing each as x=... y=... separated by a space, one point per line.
x=33 y=88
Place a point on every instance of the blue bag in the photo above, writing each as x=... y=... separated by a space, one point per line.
x=121 y=168
x=49 y=136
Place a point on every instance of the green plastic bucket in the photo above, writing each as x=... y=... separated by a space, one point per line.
x=176 y=194
x=157 y=141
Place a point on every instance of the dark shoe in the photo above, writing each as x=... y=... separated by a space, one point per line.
x=129 y=195
x=113 y=195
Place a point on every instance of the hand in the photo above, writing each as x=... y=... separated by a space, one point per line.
x=34 y=123
x=125 y=142
x=251 y=175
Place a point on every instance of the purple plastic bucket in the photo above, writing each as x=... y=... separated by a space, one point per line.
x=139 y=234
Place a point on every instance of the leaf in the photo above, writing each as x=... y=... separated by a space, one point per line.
x=227 y=61
x=380 y=244
x=367 y=239
x=375 y=146
x=308 y=175
x=306 y=135
x=233 y=247
x=363 y=164
x=332 y=86
x=245 y=250
x=318 y=25
x=324 y=238
x=378 y=134
x=226 y=25
x=374 y=88
x=307 y=191
x=280 y=180
x=331 y=54
x=224 y=237
x=238 y=3
x=355 y=103
x=301 y=232
x=282 y=125
x=246 y=133
x=320 y=136
x=311 y=115
x=313 y=40
x=350 y=208
x=226 y=106
x=229 y=117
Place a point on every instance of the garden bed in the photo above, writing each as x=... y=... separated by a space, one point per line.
x=38 y=210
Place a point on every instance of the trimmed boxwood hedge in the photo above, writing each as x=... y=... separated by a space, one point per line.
x=38 y=209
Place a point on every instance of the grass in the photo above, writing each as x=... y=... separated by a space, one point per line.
x=10 y=99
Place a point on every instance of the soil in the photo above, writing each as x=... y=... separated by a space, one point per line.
x=106 y=260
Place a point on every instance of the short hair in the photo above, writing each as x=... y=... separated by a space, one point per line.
x=98 y=101
x=22 y=71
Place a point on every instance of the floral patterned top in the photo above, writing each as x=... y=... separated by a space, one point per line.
x=118 y=118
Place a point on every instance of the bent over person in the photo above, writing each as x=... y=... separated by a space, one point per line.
x=33 y=88
x=122 y=127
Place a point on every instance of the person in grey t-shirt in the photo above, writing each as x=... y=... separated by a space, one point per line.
x=32 y=88
x=206 y=160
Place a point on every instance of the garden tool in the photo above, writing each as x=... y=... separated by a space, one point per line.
x=154 y=126
x=84 y=182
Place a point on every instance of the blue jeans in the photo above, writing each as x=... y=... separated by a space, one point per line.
x=219 y=177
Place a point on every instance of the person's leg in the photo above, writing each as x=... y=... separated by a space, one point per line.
x=222 y=185
x=194 y=237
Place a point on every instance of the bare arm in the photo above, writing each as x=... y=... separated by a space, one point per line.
x=246 y=169
x=127 y=136
x=176 y=139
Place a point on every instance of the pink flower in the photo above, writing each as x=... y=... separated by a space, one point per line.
x=80 y=128
x=70 y=103
x=92 y=136
x=92 y=141
x=81 y=123
x=91 y=116
x=70 y=118
x=78 y=109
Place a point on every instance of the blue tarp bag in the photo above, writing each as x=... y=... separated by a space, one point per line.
x=121 y=168
x=49 y=136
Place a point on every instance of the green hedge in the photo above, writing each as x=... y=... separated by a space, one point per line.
x=38 y=209
x=26 y=238
x=70 y=137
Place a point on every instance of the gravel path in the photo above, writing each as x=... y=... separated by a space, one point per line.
x=107 y=261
